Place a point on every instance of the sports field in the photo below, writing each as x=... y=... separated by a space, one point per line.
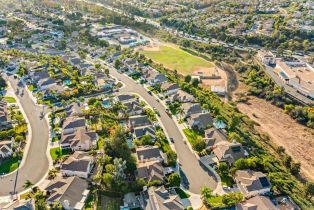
x=174 y=58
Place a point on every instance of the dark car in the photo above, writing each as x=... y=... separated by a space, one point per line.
x=171 y=139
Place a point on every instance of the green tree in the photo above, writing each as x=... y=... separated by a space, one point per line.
x=107 y=180
x=195 y=82
x=206 y=193
x=2 y=83
x=117 y=64
x=231 y=199
x=309 y=190
x=27 y=184
x=56 y=206
x=52 y=173
x=171 y=158
x=223 y=168
x=187 y=78
x=295 y=168
x=174 y=180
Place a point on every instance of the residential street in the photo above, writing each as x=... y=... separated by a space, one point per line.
x=36 y=162
x=197 y=177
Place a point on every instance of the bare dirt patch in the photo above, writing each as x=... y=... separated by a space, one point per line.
x=213 y=76
x=151 y=48
x=297 y=139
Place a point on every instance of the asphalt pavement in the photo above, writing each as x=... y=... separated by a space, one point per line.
x=36 y=164
x=196 y=176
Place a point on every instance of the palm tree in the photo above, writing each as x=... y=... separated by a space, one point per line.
x=52 y=173
x=27 y=184
x=206 y=193
x=181 y=113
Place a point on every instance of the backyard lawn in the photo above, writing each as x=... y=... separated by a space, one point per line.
x=9 y=165
x=58 y=153
x=177 y=59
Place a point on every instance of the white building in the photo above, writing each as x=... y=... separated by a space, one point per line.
x=298 y=75
x=266 y=57
x=79 y=164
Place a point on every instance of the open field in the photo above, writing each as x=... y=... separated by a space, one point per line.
x=175 y=58
x=297 y=139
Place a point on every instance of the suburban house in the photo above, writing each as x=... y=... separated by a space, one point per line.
x=78 y=164
x=214 y=136
x=80 y=139
x=168 y=88
x=252 y=183
x=37 y=76
x=74 y=109
x=228 y=152
x=123 y=98
x=155 y=77
x=182 y=96
x=150 y=171
x=139 y=132
x=46 y=83
x=70 y=192
x=86 y=69
x=160 y=198
x=73 y=123
x=191 y=108
x=149 y=153
x=200 y=121
x=257 y=203
x=138 y=121
x=133 y=108
x=4 y=119
x=5 y=149
x=131 y=64
x=104 y=85
x=266 y=57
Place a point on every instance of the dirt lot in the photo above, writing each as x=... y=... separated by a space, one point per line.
x=298 y=140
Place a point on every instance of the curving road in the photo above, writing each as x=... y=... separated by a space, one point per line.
x=197 y=177
x=35 y=164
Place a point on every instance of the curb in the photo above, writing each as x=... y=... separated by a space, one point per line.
x=29 y=130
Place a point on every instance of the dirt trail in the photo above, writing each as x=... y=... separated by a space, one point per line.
x=297 y=139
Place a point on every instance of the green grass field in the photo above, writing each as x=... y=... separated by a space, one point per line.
x=177 y=59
